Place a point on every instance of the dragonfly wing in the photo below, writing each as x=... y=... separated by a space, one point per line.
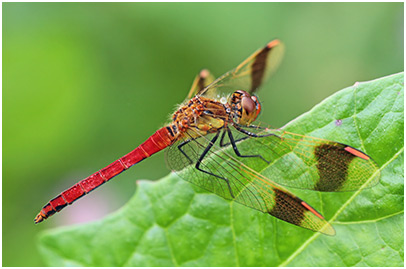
x=330 y=166
x=250 y=74
x=233 y=180
x=307 y=162
x=201 y=81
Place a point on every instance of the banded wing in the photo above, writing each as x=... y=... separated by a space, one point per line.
x=288 y=159
x=250 y=74
x=306 y=162
x=328 y=166
x=233 y=180
x=201 y=81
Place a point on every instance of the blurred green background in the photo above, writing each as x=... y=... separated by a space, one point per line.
x=85 y=83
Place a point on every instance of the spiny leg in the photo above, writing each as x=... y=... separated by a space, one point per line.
x=184 y=143
x=198 y=163
x=250 y=126
x=181 y=150
x=228 y=143
x=237 y=152
x=250 y=134
x=241 y=130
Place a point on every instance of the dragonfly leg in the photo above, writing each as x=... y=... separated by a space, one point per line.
x=250 y=126
x=237 y=152
x=238 y=128
x=199 y=162
x=181 y=150
x=250 y=134
x=222 y=144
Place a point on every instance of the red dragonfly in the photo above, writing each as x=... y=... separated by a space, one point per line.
x=213 y=142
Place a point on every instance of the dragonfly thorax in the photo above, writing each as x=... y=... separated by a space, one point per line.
x=203 y=115
x=244 y=107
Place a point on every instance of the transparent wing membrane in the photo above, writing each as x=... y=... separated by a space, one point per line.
x=307 y=162
x=232 y=178
x=320 y=164
x=250 y=74
x=201 y=81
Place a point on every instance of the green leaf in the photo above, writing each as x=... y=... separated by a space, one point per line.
x=173 y=223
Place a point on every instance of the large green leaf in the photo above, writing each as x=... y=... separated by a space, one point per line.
x=173 y=223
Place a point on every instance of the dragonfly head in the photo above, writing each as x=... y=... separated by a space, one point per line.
x=245 y=108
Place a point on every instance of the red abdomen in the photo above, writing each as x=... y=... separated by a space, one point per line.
x=157 y=142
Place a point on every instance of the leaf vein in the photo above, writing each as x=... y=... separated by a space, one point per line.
x=367 y=221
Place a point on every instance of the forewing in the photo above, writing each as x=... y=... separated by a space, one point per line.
x=201 y=81
x=233 y=180
x=330 y=166
x=309 y=163
x=250 y=74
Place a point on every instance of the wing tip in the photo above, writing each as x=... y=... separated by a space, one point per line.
x=327 y=229
x=273 y=43
x=204 y=73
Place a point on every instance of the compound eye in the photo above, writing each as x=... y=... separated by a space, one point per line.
x=257 y=104
x=248 y=104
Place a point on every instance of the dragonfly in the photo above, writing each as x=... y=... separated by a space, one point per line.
x=215 y=141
